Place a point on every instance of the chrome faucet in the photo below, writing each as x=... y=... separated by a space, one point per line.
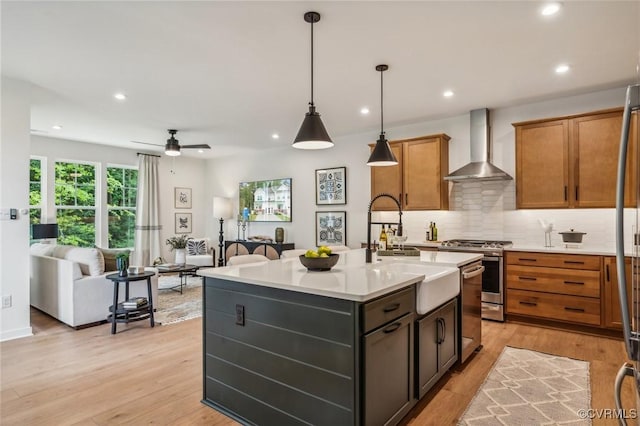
x=369 y=223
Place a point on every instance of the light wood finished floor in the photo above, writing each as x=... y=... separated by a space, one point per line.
x=141 y=375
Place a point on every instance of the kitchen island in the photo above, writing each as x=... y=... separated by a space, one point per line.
x=283 y=345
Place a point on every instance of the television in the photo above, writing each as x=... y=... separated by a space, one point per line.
x=265 y=200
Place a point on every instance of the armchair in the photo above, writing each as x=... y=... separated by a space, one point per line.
x=200 y=252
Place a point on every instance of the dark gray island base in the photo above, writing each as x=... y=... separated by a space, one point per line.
x=279 y=357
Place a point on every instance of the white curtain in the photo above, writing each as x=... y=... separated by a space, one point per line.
x=147 y=236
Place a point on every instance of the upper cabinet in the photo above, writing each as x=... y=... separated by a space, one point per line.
x=572 y=162
x=418 y=179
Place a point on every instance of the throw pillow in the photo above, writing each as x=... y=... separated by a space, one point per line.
x=110 y=257
x=196 y=247
x=40 y=249
x=90 y=260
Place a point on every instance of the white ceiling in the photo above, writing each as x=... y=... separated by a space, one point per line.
x=232 y=73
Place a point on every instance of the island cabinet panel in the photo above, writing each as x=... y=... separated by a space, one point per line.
x=273 y=356
x=610 y=293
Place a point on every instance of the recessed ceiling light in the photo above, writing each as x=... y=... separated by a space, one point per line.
x=447 y=94
x=56 y=127
x=120 y=96
x=562 y=68
x=364 y=110
x=275 y=136
x=550 y=9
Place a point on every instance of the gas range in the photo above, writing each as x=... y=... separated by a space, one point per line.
x=489 y=247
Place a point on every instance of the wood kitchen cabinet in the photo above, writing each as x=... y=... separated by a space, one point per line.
x=612 y=317
x=571 y=162
x=418 y=179
x=557 y=287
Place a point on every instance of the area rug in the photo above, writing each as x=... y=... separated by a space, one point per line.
x=531 y=388
x=173 y=307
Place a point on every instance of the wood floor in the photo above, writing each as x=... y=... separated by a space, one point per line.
x=141 y=375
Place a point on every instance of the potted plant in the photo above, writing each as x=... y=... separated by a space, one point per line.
x=179 y=244
x=122 y=263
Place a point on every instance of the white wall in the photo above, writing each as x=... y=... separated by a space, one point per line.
x=478 y=210
x=14 y=234
x=174 y=172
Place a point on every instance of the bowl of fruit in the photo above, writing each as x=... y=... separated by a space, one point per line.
x=319 y=260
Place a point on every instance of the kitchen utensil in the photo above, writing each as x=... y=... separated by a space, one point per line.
x=572 y=236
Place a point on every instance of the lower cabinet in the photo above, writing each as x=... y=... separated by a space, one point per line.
x=610 y=293
x=436 y=345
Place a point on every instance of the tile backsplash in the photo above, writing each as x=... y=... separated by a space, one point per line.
x=486 y=210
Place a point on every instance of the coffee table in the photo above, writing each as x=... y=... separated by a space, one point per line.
x=183 y=271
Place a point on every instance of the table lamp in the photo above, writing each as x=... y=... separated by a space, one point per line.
x=41 y=231
x=221 y=211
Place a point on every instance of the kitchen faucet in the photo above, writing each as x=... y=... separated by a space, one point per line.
x=369 y=223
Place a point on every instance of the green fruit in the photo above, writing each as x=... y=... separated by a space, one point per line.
x=324 y=249
x=324 y=255
x=311 y=253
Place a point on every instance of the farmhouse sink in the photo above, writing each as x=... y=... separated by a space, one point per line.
x=441 y=283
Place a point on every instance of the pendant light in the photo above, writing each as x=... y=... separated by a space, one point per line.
x=312 y=134
x=382 y=154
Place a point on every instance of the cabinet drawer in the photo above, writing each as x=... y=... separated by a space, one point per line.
x=568 y=261
x=554 y=280
x=585 y=310
x=387 y=308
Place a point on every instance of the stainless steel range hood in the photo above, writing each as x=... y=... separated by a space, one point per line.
x=480 y=167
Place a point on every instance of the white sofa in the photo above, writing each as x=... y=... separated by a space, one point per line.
x=70 y=284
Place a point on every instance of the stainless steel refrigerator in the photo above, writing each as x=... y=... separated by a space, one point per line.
x=628 y=242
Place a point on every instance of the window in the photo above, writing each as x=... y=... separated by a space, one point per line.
x=35 y=190
x=75 y=198
x=122 y=184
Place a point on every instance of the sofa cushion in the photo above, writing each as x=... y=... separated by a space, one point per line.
x=109 y=256
x=90 y=259
x=40 y=249
x=196 y=246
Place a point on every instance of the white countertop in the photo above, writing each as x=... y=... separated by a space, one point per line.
x=350 y=279
x=445 y=258
x=569 y=249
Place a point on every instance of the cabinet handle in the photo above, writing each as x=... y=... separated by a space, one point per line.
x=574 y=262
x=565 y=192
x=444 y=330
x=525 y=259
x=568 y=308
x=574 y=282
x=522 y=302
x=406 y=199
x=607 y=270
x=576 y=192
x=393 y=327
x=439 y=331
x=391 y=308
x=527 y=278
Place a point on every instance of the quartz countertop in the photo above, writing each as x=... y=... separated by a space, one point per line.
x=350 y=279
x=569 y=249
x=445 y=258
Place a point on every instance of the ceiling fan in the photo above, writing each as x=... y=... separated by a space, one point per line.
x=172 y=147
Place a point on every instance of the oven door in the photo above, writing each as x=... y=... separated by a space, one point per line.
x=492 y=291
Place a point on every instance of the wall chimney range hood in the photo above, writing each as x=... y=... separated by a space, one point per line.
x=480 y=167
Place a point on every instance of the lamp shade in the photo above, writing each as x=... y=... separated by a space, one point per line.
x=222 y=208
x=172 y=149
x=312 y=133
x=382 y=154
x=41 y=231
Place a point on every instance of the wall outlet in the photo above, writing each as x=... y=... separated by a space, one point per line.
x=6 y=301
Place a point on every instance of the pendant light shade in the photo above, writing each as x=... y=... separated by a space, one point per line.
x=382 y=154
x=312 y=133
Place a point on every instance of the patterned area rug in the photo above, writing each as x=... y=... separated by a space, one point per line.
x=172 y=306
x=531 y=388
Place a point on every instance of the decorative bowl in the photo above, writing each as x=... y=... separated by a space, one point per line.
x=319 y=263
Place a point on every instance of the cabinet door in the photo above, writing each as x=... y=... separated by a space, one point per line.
x=424 y=186
x=428 y=332
x=449 y=336
x=388 y=372
x=595 y=143
x=542 y=157
x=387 y=180
x=612 y=308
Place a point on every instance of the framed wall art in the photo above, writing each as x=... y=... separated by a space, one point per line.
x=183 y=223
x=265 y=200
x=331 y=228
x=182 y=198
x=331 y=186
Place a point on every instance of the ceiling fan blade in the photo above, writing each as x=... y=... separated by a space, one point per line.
x=201 y=146
x=146 y=143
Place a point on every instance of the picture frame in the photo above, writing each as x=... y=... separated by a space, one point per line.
x=182 y=197
x=331 y=228
x=331 y=186
x=183 y=223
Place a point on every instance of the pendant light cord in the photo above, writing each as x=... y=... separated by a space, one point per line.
x=381 y=105
x=311 y=103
